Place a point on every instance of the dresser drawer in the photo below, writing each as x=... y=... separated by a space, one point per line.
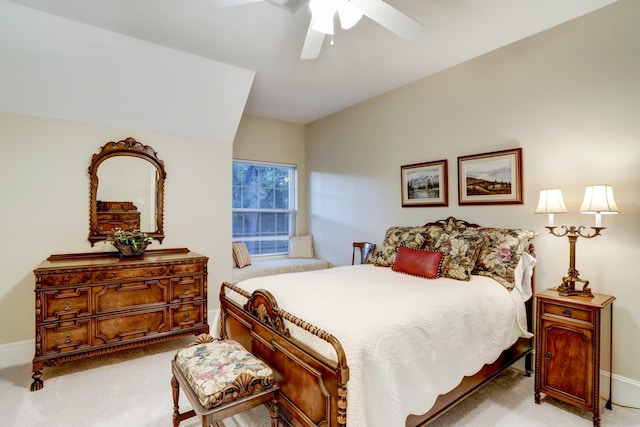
x=130 y=273
x=575 y=313
x=186 y=288
x=65 y=304
x=130 y=295
x=187 y=315
x=186 y=268
x=131 y=326
x=64 y=279
x=63 y=337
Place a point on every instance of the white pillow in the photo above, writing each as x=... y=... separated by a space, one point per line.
x=301 y=246
x=524 y=274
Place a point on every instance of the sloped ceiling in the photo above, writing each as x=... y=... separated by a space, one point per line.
x=365 y=61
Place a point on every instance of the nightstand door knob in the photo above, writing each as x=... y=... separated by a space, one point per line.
x=567 y=312
x=548 y=355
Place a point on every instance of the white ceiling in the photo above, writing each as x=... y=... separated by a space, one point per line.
x=365 y=61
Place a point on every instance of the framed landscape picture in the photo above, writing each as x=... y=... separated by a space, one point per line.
x=425 y=184
x=490 y=178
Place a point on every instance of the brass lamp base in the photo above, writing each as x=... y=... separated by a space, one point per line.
x=574 y=292
x=568 y=286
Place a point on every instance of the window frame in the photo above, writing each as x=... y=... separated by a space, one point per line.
x=292 y=211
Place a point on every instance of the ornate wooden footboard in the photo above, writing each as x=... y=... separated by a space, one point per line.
x=313 y=389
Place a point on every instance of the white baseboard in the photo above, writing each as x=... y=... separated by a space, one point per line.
x=21 y=352
x=16 y=353
x=626 y=392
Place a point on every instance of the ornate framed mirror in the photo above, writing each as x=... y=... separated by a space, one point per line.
x=126 y=190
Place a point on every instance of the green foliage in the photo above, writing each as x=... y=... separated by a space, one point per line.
x=135 y=238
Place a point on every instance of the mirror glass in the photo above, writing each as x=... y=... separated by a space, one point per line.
x=126 y=190
x=129 y=179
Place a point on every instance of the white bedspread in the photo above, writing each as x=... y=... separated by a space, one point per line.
x=407 y=339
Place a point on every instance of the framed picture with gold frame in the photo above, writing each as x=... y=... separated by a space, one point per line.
x=491 y=178
x=425 y=184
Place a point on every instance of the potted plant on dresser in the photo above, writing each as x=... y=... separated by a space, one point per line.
x=129 y=243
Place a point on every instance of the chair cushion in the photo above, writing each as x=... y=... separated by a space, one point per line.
x=218 y=372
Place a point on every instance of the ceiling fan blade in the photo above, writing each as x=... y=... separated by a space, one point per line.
x=391 y=18
x=233 y=3
x=312 y=43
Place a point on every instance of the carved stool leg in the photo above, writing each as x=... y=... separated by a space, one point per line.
x=175 y=389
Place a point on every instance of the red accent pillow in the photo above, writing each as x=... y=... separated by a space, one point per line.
x=418 y=262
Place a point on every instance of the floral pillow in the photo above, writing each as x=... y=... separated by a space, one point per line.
x=501 y=253
x=447 y=226
x=411 y=237
x=461 y=250
x=452 y=225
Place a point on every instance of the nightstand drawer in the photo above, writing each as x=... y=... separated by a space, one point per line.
x=567 y=312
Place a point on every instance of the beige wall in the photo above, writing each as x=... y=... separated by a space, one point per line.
x=50 y=69
x=570 y=97
x=45 y=203
x=267 y=140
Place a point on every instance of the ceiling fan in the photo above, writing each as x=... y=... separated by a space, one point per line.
x=323 y=14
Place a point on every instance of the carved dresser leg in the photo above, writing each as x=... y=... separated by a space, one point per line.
x=37 y=383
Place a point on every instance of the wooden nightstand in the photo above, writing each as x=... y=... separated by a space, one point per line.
x=568 y=349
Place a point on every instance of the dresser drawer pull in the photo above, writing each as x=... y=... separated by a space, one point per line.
x=186 y=317
x=67 y=338
x=186 y=290
x=566 y=312
x=548 y=356
x=67 y=305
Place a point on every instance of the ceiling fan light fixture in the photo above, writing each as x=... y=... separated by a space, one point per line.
x=349 y=13
x=322 y=15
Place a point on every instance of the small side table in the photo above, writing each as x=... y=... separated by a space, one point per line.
x=568 y=349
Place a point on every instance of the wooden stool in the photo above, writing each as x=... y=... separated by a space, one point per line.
x=221 y=379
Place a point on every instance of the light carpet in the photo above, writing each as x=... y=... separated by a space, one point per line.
x=132 y=388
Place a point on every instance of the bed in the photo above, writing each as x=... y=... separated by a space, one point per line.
x=371 y=346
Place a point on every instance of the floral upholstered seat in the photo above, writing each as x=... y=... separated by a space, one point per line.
x=222 y=371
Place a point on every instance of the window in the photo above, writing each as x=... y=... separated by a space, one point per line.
x=264 y=206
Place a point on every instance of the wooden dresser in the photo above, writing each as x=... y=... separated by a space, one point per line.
x=570 y=344
x=96 y=303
